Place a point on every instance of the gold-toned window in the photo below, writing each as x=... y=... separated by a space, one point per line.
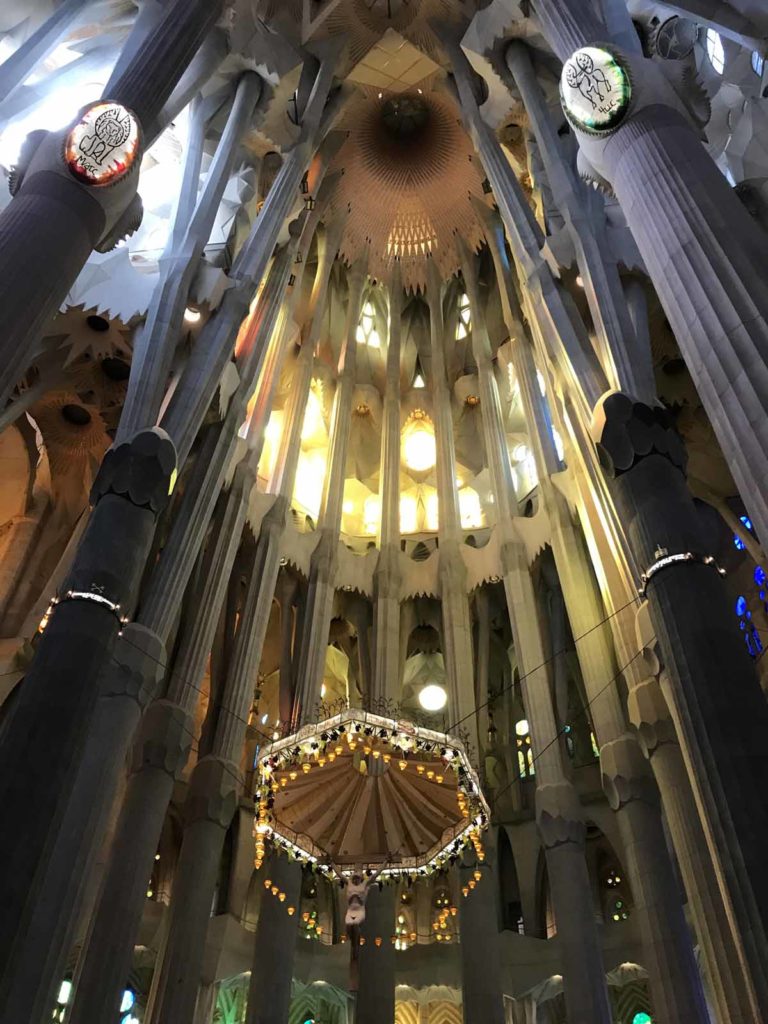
x=464 y=325
x=525 y=765
x=366 y=333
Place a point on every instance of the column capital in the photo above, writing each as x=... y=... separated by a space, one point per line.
x=626 y=431
x=164 y=739
x=559 y=815
x=138 y=665
x=214 y=791
x=625 y=773
x=142 y=470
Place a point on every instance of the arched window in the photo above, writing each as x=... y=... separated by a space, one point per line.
x=715 y=50
x=525 y=764
x=747 y=627
x=758 y=63
x=642 y=1018
x=366 y=333
x=464 y=326
x=738 y=543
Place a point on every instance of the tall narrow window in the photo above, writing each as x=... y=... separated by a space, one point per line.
x=464 y=326
x=715 y=51
x=748 y=628
x=366 y=333
x=758 y=63
x=525 y=763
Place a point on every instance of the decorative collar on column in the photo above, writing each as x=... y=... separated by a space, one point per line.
x=596 y=89
x=103 y=144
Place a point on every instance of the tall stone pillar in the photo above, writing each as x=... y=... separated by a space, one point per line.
x=725 y=973
x=156 y=339
x=454 y=601
x=481 y=983
x=57 y=700
x=324 y=558
x=63 y=217
x=96 y=983
x=559 y=816
x=376 y=970
x=702 y=250
x=386 y=673
x=623 y=361
x=720 y=729
x=269 y=992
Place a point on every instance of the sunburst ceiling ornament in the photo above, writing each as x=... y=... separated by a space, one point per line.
x=410 y=178
x=357 y=787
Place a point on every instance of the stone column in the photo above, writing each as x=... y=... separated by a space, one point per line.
x=56 y=703
x=386 y=674
x=269 y=993
x=376 y=970
x=96 y=983
x=622 y=359
x=550 y=308
x=702 y=250
x=16 y=68
x=457 y=626
x=215 y=781
x=55 y=214
x=720 y=729
x=481 y=982
x=156 y=339
x=724 y=970
x=214 y=346
x=559 y=816
x=324 y=558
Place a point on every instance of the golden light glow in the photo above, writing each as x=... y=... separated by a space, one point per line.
x=310 y=475
x=419 y=448
x=432 y=511
x=272 y=434
x=372 y=514
x=470 y=510
x=409 y=514
x=313 y=417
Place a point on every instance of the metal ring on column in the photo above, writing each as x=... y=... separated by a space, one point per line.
x=664 y=560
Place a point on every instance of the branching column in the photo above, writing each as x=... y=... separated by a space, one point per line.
x=559 y=816
x=56 y=215
x=325 y=556
x=625 y=364
x=165 y=732
x=215 y=784
x=720 y=729
x=386 y=675
x=457 y=627
x=703 y=251
x=156 y=339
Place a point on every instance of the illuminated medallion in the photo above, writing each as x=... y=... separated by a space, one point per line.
x=595 y=90
x=102 y=147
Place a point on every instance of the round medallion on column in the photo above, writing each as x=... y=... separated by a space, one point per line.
x=595 y=90
x=103 y=144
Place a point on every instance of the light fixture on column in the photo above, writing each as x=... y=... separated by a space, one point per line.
x=433 y=697
x=192 y=315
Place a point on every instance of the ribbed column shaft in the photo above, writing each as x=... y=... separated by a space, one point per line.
x=319 y=603
x=386 y=674
x=624 y=364
x=274 y=948
x=481 y=981
x=376 y=978
x=156 y=340
x=454 y=601
x=566 y=339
